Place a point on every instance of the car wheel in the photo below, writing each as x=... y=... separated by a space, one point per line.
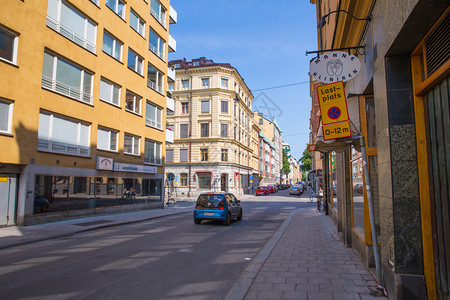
x=228 y=220
x=240 y=216
x=197 y=221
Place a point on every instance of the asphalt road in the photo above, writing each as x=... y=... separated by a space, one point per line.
x=165 y=258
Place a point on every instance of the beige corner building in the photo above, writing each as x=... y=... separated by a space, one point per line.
x=82 y=107
x=215 y=140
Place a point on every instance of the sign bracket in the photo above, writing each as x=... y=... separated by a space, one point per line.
x=338 y=49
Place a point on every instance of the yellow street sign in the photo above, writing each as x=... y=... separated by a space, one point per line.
x=332 y=102
x=3 y=179
x=336 y=131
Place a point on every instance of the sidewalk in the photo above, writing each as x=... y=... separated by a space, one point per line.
x=305 y=260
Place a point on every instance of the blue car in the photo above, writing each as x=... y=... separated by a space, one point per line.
x=217 y=206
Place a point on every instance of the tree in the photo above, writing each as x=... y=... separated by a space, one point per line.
x=305 y=161
x=286 y=165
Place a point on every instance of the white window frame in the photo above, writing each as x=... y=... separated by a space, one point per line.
x=158 y=111
x=134 y=140
x=140 y=26
x=205 y=82
x=138 y=62
x=115 y=9
x=110 y=132
x=54 y=22
x=137 y=100
x=157 y=148
x=9 y=115
x=15 y=45
x=222 y=81
x=116 y=43
x=159 y=84
x=201 y=106
x=159 y=15
x=61 y=88
x=171 y=86
x=185 y=84
x=160 y=48
x=112 y=86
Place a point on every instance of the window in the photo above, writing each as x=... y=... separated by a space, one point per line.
x=133 y=102
x=156 y=44
x=176 y=66
x=260 y=121
x=169 y=155
x=137 y=23
x=112 y=46
x=204 y=154
x=204 y=181
x=6 y=109
x=185 y=84
x=183 y=179
x=205 y=83
x=171 y=86
x=109 y=92
x=65 y=78
x=184 y=107
x=204 y=129
x=235 y=131
x=224 y=106
x=224 y=83
x=131 y=144
x=153 y=115
x=183 y=155
x=184 y=130
x=196 y=63
x=60 y=134
x=224 y=130
x=204 y=106
x=8 y=45
x=117 y=6
x=72 y=24
x=155 y=79
x=107 y=139
x=135 y=62
x=159 y=12
x=152 y=152
x=224 y=155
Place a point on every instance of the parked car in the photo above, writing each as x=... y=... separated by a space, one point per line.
x=271 y=189
x=217 y=206
x=273 y=186
x=41 y=204
x=359 y=188
x=334 y=189
x=262 y=190
x=296 y=189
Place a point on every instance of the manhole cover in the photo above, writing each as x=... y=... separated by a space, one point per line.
x=93 y=223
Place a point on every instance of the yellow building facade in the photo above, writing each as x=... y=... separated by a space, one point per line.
x=83 y=93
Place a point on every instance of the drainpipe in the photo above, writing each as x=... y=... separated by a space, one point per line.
x=190 y=132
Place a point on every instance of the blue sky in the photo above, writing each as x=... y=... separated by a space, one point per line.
x=266 y=42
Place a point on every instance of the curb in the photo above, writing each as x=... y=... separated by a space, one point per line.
x=242 y=284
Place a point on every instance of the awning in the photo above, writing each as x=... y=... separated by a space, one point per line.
x=337 y=145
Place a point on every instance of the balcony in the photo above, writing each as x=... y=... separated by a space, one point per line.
x=172 y=44
x=171 y=74
x=64 y=89
x=169 y=136
x=170 y=103
x=172 y=15
x=152 y=160
x=63 y=148
x=154 y=86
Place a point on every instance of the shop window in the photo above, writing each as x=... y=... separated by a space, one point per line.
x=358 y=192
x=204 y=181
x=183 y=179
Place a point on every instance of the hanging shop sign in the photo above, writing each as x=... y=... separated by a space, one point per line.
x=105 y=163
x=336 y=130
x=311 y=147
x=334 y=66
x=332 y=103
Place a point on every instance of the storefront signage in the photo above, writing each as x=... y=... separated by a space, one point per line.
x=3 y=179
x=311 y=147
x=332 y=102
x=134 y=168
x=105 y=163
x=334 y=66
x=336 y=130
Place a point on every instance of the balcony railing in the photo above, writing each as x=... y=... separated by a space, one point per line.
x=170 y=103
x=160 y=17
x=169 y=136
x=63 y=148
x=153 y=123
x=70 y=34
x=153 y=86
x=64 y=89
x=171 y=73
x=172 y=44
x=172 y=15
x=152 y=160
x=159 y=53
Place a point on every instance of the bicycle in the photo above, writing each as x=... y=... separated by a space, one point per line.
x=170 y=201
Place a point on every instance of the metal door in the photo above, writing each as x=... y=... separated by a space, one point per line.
x=439 y=139
x=8 y=192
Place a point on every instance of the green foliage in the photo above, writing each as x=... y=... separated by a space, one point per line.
x=305 y=161
x=286 y=168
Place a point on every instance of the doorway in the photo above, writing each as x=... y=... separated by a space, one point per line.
x=223 y=182
x=8 y=192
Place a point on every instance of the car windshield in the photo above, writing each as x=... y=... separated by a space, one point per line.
x=210 y=201
x=261 y=187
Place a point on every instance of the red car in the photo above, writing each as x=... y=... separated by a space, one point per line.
x=271 y=189
x=262 y=190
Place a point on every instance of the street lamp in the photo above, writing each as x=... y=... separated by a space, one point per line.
x=322 y=21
